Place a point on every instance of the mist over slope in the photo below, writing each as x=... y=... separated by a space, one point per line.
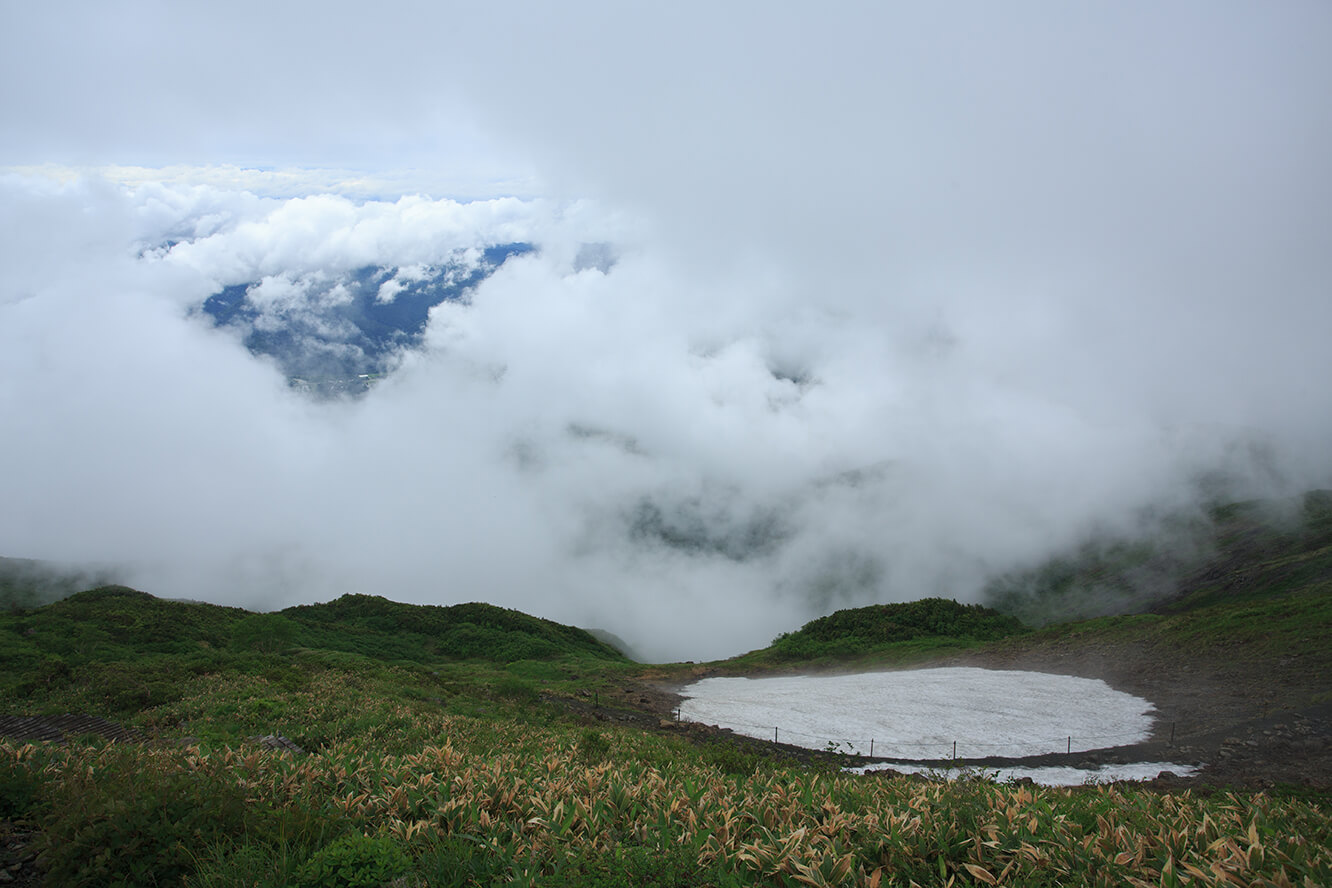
x=1228 y=553
x=25 y=583
x=864 y=306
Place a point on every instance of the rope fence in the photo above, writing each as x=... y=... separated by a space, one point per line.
x=888 y=748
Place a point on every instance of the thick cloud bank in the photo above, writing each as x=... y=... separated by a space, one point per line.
x=600 y=447
x=823 y=309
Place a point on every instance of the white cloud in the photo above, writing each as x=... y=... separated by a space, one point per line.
x=940 y=287
x=601 y=448
x=333 y=233
x=289 y=182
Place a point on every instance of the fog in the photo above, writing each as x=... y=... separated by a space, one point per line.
x=883 y=303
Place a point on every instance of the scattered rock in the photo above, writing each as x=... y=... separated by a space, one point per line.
x=277 y=741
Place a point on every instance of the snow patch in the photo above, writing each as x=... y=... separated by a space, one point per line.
x=1049 y=776
x=921 y=714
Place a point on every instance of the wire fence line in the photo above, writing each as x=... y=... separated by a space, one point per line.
x=885 y=746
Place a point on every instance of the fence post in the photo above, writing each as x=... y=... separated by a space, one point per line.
x=1070 y=745
x=774 y=735
x=1172 y=733
x=871 y=747
x=954 y=750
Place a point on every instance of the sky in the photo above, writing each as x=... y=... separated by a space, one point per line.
x=904 y=295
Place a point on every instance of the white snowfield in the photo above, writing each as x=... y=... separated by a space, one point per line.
x=921 y=714
x=1049 y=776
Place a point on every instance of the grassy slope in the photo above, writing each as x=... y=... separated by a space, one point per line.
x=1256 y=628
x=884 y=633
x=123 y=654
x=1286 y=634
x=1295 y=625
x=1234 y=552
x=1257 y=556
x=460 y=773
x=1260 y=597
x=391 y=630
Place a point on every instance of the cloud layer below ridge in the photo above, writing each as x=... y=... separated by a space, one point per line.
x=897 y=300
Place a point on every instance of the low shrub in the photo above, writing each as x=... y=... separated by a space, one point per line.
x=511 y=687
x=593 y=746
x=20 y=787
x=354 y=862
x=731 y=759
x=461 y=860
x=133 y=823
x=645 y=866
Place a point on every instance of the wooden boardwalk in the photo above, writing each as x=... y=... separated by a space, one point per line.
x=56 y=728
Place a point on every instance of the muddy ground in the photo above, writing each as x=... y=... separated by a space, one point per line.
x=1247 y=725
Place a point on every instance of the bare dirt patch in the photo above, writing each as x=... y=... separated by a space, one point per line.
x=1249 y=725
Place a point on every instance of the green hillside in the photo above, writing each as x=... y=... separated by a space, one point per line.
x=1262 y=553
x=929 y=625
x=115 y=651
x=377 y=627
x=1233 y=552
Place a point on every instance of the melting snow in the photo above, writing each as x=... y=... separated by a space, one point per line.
x=920 y=714
x=1050 y=776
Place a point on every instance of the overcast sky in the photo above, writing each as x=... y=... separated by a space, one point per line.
x=906 y=295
